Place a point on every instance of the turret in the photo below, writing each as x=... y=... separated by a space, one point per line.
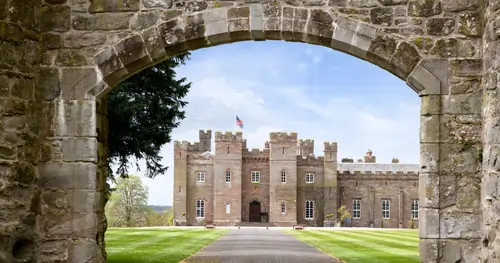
x=330 y=181
x=205 y=141
x=305 y=148
x=330 y=151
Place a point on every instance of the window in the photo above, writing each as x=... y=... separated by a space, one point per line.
x=385 y=208
x=200 y=177
x=414 y=209
x=283 y=208
x=283 y=177
x=255 y=177
x=356 y=208
x=309 y=209
x=200 y=208
x=228 y=176
x=228 y=208
x=309 y=178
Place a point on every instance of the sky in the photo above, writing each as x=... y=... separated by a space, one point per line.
x=274 y=86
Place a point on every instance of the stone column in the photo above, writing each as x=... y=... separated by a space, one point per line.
x=401 y=208
x=490 y=197
x=70 y=224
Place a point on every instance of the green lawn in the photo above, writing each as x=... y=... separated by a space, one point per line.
x=156 y=245
x=356 y=246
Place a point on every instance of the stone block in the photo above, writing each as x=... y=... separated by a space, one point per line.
x=440 y=26
x=429 y=128
x=428 y=223
x=83 y=250
x=459 y=5
x=459 y=159
x=54 y=226
x=48 y=86
x=67 y=176
x=320 y=34
x=105 y=22
x=404 y=60
x=466 y=67
x=421 y=8
x=50 y=250
x=172 y=32
x=430 y=105
x=103 y=6
x=429 y=157
x=469 y=191
x=272 y=28
x=55 y=18
x=85 y=225
x=142 y=21
x=460 y=224
x=428 y=188
x=75 y=82
x=239 y=30
x=469 y=24
x=382 y=16
x=56 y=202
x=110 y=66
x=79 y=149
x=75 y=118
x=132 y=53
x=256 y=22
x=84 y=39
x=154 y=44
x=451 y=47
x=166 y=4
x=86 y=200
x=429 y=250
x=464 y=130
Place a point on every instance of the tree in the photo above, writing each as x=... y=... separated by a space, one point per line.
x=155 y=218
x=127 y=206
x=142 y=113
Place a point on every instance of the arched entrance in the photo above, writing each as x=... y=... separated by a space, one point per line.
x=254 y=210
x=54 y=83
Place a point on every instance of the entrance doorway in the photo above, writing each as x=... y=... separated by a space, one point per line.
x=254 y=213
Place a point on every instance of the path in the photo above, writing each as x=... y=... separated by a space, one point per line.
x=259 y=245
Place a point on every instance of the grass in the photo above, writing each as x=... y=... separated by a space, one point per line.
x=129 y=245
x=356 y=246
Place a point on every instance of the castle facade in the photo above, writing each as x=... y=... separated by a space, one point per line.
x=284 y=184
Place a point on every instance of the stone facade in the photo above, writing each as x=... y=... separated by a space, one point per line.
x=227 y=192
x=59 y=58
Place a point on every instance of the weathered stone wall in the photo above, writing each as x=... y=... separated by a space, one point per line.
x=23 y=127
x=490 y=196
x=84 y=48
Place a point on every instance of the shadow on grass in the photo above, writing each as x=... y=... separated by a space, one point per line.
x=142 y=257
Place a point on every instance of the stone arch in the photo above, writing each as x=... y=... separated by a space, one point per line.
x=58 y=67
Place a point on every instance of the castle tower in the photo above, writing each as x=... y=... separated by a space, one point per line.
x=330 y=180
x=227 y=192
x=181 y=150
x=369 y=157
x=283 y=159
x=306 y=147
x=205 y=141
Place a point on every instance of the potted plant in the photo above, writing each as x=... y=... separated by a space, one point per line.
x=343 y=215
x=412 y=223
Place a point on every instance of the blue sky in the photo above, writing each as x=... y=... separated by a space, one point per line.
x=317 y=92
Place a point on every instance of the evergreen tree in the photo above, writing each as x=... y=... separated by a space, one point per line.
x=142 y=112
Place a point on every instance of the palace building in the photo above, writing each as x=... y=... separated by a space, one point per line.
x=284 y=184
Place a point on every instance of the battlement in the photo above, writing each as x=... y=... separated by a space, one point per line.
x=205 y=134
x=310 y=161
x=255 y=150
x=378 y=168
x=307 y=142
x=228 y=136
x=331 y=146
x=185 y=145
x=283 y=137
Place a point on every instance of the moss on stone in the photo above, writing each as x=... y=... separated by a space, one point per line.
x=423 y=42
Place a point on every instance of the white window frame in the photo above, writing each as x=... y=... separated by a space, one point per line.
x=415 y=205
x=309 y=210
x=356 y=208
x=283 y=208
x=200 y=177
x=228 y=176
x=386 y=208
x=200 y=208
x=228 y=208
x=283 y=177
x=255 y=176
x=309 y=178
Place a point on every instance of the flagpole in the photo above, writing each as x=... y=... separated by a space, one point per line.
x=234 y=123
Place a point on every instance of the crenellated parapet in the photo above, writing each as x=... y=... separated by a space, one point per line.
x=185 y=146
x=205 y=134
x=229 y=136
x=330 y=146
x=310 y=161
x=378 y=169
x=283 y=137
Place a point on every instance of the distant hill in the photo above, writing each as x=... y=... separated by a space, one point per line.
x=160 y=208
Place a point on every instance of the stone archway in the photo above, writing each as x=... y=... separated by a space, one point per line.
x=59 y=58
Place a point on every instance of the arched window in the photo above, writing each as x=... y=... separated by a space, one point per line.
x=228 y=176
x=283 y=208
x=200 y=208
x=283 y=176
